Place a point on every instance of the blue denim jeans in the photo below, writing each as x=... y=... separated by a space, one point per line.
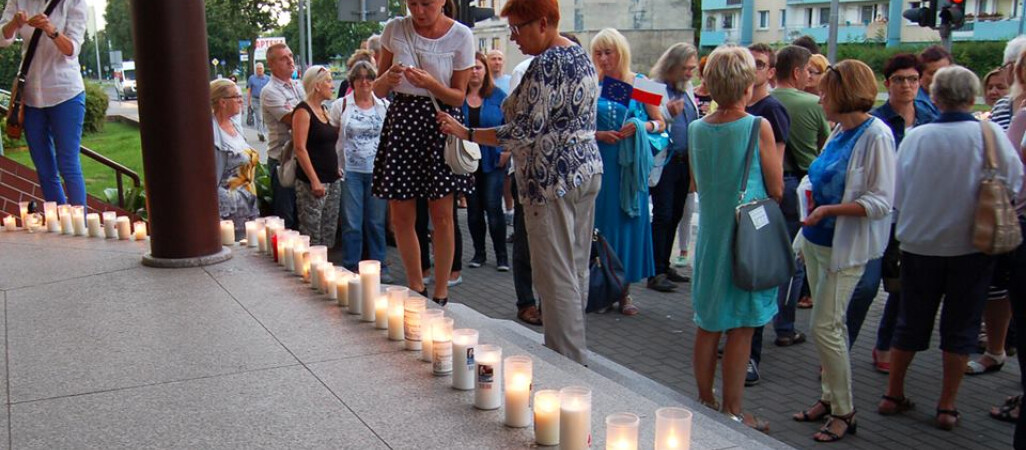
x=487 y=201
x=862 y=298
x=363 y=222
x=54 y=136
x=284 y=201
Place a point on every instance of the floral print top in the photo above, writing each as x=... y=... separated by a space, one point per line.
x=550 y=127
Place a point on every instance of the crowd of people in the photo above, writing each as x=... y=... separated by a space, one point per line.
x=867 y=192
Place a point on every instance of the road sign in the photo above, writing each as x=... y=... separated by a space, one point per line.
x=215 y=62
x=263 y=44
x=115 y=58
x=244 y=44
x=362 y=10
x=243 y=57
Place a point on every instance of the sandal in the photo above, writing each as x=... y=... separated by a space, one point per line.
x=627 y=307
x=979 y=368
x=530 y=315
x=440 y=301
x=804 y=302
x=715 y=405
x=805 y=416
x=880 y=366
x=901 y=404
x=1005 y=412
x=751 y=421
x=947 y=424
x=850 y=427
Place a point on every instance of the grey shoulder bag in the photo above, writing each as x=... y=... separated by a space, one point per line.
x=763 y=257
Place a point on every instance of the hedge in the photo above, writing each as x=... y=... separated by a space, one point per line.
x=980 y=57
x=96 y=108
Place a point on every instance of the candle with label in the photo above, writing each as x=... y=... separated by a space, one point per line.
x=10 y=223
x=441 y=346
x=622 y=431
x=673 y=429
x=110 y=224
x=427 y=320
x=574 y=418
x=463 y=342
x=254 y=229
x=78 y=220
x=412 y=308
x=124 y=228
x=396 y=309
x=227 y=233
x=546 y=417
x=355 y=293
x=140 y=230
x=518 y=374
x=94 y=225
x=370 y=283
x=64 y=214
x=342 y=287
x=488 y=368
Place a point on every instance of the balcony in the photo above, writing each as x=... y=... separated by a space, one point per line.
x=825 y=2
x=715 y=38
x=987 y=30
x=716 y=5
x=845 y=33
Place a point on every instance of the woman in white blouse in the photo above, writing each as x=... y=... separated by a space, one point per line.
x=54 y=94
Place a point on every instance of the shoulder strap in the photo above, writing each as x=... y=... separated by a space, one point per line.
x=416 y=58
x=749 y=154
x=989 y=150
x=34 y=42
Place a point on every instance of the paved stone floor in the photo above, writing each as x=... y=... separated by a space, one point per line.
x=658 y=342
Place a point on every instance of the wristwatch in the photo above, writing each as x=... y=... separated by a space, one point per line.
x=470 y=134
x=55 y=35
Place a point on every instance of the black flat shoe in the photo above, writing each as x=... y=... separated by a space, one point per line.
x=440 y=301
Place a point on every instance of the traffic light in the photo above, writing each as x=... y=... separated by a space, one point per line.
x=953 y=13
x=925 y=15
x=469 y=15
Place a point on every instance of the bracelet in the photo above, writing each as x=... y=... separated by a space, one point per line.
x=470 y=134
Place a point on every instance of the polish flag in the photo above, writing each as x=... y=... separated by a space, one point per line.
x=648 y=91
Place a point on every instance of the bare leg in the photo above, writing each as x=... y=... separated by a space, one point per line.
x=954 y=370
x=704 y=363
x=900 y=360
x=735 y=362
x=996 y=315
x=444 y=242
x=404 y=217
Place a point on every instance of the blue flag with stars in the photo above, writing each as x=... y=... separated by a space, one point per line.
x=616 y=91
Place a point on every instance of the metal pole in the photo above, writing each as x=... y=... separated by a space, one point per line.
x=181 y=184
x=309 y=36
x=302 y=35
x=835 y=6
x=99 y=67
x=945 y=34
x=1022 y=17
x=363 y=11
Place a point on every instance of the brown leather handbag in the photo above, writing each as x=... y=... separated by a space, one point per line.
x=16 y=109
x=996 y=228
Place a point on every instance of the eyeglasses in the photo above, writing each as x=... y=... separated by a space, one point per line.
x=838 y=72
x=234 y=97
x=361 y=78
x=909 y=79
x=759 y=65
x=514 y=30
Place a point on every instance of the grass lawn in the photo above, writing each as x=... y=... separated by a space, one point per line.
x=118 y=142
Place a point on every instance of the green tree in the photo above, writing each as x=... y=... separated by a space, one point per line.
x=119 y=28
x=330 y=37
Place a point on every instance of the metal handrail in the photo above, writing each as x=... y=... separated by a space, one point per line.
x=119 y=169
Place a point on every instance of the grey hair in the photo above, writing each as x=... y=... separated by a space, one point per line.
x=361 y=67
x=374 y=43
x=954 y=88
x=1013 y=48
x=674 y=56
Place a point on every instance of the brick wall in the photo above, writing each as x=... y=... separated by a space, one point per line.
x=18 y=183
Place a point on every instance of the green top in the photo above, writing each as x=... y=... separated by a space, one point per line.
x=808 y=127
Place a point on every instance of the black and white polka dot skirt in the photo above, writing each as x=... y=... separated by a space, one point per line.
x=410 y=162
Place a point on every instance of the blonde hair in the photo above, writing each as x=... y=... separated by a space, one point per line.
x=850 y=84
x=820 y=62
x=612 y=39
x=221 y=89
x=312 y=76
x=728 y=73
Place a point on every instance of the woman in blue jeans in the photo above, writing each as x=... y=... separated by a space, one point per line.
x=54 y=94
x=483 y=109
x=359 y=117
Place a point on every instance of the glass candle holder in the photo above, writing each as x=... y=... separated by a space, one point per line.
x=396 y=309
x=228 y=233
x=622 y=431
x=318 y=256
x=342 y=277
x=34 y=222
x=673 y=429
x=413 y=307
x=23 y=210
x=110 y=224
x=441 y=346
x=328 y=275
x=94 y=226
x=464 y=340
x=253 y=231
x=381 y=312
x=546 y=417
x=10 y=223
x=49 y=207
x=370 y=283
x=78 y=220
x=300 y=247
x=355 y=295
x=488 y=387
x=140 y=230
x=124 y=228
x=427 y=319
x=518 y=376
x=64 y=215
x=574 y=418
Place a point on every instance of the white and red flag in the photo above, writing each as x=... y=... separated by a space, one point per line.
x=648 y=92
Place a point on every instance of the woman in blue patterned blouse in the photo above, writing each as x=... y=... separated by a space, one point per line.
x=550 y=130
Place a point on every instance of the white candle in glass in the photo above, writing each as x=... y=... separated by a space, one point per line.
x=53 y=224
x=518 y=374
x=342 y=287
x=10 y=223
x=300 y=246
x=396 y=310
x=622 y=431
x=673 y=429
x=488 y=369
x=78 y=220
x=270 y=227
x=412 y=308
x=140 y=230
x=23 y=210
x=318 y=255
x=574 y=418
x=427 y=320
x=262 y=240
x=370 y=282
x=64 y=214
x=327 y=280
x=546 y=417
x=110 y=224
x=94 y=225
x=227 y=233
x=49 y=207
x=463 y=342
x=381 y=312
x=285 y=248
x=441 y=346
x=355 y=296
x=314 y=274
x=124 y=228
x=33 y=222
x=253 y=231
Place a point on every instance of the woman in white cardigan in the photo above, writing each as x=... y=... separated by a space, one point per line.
x=847 y=225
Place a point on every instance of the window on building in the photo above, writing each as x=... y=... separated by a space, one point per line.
x=481 y=45
x=808 y=17
x=866 y=14
x=824 y=16
x=764 y=20
x=710 y=23
x=728 y=21
x=783 y=18
x=981 y=7
x=495 y=43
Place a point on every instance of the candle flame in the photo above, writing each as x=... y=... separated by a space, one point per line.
x=622 y=444
x=520 y=382
x=546 y=404
x=671 y=441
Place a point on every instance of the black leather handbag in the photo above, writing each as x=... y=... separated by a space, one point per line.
x=763 y=257
x=606 y=275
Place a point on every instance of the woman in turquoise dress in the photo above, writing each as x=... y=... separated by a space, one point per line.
x=621 y=209
x=718 y=144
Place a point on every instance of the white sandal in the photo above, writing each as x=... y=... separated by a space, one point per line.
x=977 y=368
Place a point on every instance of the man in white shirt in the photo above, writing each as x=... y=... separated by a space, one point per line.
x=278 y=99
x=496 y=62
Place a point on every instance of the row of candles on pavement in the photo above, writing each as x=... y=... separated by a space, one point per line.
x=73 y=220
x=561 y=417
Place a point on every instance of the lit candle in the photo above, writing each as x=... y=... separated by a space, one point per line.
x=370 y=282
x=381 y=312
x=110 y=224
x=326 y=278
x=64 y=214
x=285 y=239
x=253 y=231
x=574 y=418
x=622 y=431
x=262 y=240
x=318 y=255
x=427 y=320
x=227 y=233
x=546 y=417
x=50 y=207
x=314 y=274
x=33 y=222
x=300 y=245
x=673 y=429
x=53 y=222
x=342 y=287
x=93 y=223
x=124 y=228
x=10 y=223
x=270 y=228
x=140 y=230
x=412 y=308
x=355 y=303
x=23 y=210
x=441 y=346
x=78 y=220
x=518 y=375
x=463 y=342
x=396 y=309
x=488 y=389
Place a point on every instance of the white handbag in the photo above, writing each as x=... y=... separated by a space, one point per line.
x=287 y=168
